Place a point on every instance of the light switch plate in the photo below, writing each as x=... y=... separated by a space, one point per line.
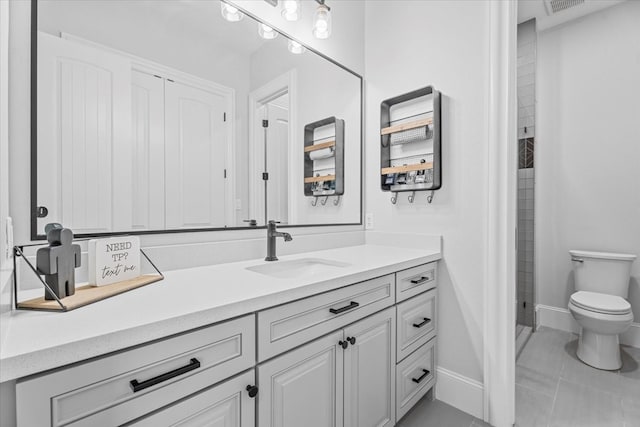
x=368 y=221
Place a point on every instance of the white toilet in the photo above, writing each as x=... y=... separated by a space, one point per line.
x=599 y=305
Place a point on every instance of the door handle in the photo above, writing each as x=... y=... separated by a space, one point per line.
x=421 y=377
x=421 y=324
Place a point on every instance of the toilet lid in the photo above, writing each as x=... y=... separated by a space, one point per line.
x=601 y=303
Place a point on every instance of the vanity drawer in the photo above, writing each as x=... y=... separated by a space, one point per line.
x=116 y=389
x=290 y=325
x=415 y=280
x=416 y=323
x=415 y=375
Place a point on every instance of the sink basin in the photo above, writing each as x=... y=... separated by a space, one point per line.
x=298 y=267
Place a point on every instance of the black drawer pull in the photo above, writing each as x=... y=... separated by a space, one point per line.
x=351 y=305
x=137 y=386
x=421 y=377
x=420 y=280
x=421 y=324
x=252 y=390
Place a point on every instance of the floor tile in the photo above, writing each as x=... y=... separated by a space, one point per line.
x=533 y=409
x=625 y=383
x=583 y=406
x=536 y=380
x=435 y=413
x=630 y=362
x=545 y=350
x=479 y=423
x=631 y=411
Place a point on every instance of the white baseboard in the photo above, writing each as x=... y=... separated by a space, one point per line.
x=561 y=318
x=460 y=392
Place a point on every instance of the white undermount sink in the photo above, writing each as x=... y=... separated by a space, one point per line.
x=298 y=267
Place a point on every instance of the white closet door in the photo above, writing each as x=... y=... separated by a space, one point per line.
x=84 y=136
x=196 y=138
x=148 y=151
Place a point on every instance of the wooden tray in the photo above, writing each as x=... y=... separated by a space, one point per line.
x=88 y=294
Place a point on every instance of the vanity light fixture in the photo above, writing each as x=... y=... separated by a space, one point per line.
x=322 y=21
x=230 y=13
x=291 y=10
x=295 y=47
x=266 y=32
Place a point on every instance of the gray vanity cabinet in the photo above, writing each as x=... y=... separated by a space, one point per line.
x=345 y=377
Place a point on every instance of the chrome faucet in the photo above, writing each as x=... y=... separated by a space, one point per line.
x=271 y=240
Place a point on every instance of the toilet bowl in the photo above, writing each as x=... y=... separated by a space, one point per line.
x=599 y=305
x=600 y=324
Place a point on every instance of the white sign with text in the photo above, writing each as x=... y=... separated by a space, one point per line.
x=113 y=260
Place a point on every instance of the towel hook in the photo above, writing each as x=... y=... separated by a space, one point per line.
x=412 y=197
x=394 y=198
x=336 y=201
x=324 y=201
x=430 y=197
x=314 y=201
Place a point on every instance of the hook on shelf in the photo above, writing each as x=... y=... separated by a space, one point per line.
x=314 y=201
x=324 y=201
x=430 y=197
x=394 y=198
x=336 y=201
x=412 y=197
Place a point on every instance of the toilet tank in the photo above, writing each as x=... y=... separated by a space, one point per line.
x=602 y=272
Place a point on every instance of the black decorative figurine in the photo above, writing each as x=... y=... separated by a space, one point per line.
x=58 y=261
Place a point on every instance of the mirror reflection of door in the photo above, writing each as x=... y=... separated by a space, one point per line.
x=276 y=112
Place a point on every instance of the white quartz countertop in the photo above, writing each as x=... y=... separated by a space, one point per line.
x=186 y=299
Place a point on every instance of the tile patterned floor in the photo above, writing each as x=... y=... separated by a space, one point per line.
x=555 y=389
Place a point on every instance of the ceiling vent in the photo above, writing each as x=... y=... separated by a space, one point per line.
x=555 y=6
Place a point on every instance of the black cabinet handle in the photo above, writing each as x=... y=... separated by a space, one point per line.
x=420 y=280
x=352 y=340
x=351 y=305
x=421 y=324
x=421 y=377
x=137 y=386
x=252 y=390
x=343 y=344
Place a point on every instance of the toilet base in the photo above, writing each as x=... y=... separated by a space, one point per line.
x=599 y=350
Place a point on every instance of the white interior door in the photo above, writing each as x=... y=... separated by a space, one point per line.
x=303 y=387
x=84 y=136
x=278 y=161
x=147 y=93
x=195 y=157
x=369 y=372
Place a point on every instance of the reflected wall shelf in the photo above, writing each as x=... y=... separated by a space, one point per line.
x=410 y=143
x=324 y=159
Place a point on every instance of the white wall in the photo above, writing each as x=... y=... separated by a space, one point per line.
x=409 y=45
x=588 y=146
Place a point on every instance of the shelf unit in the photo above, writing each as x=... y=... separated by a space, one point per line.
x=410 y=142
x=324 y=176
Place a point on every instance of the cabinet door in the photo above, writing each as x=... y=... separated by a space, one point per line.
x=369 y=371
x=225 y=405
x=196 y=138
x=303 y=387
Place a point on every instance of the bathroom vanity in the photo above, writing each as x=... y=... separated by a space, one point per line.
x=346 y=337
